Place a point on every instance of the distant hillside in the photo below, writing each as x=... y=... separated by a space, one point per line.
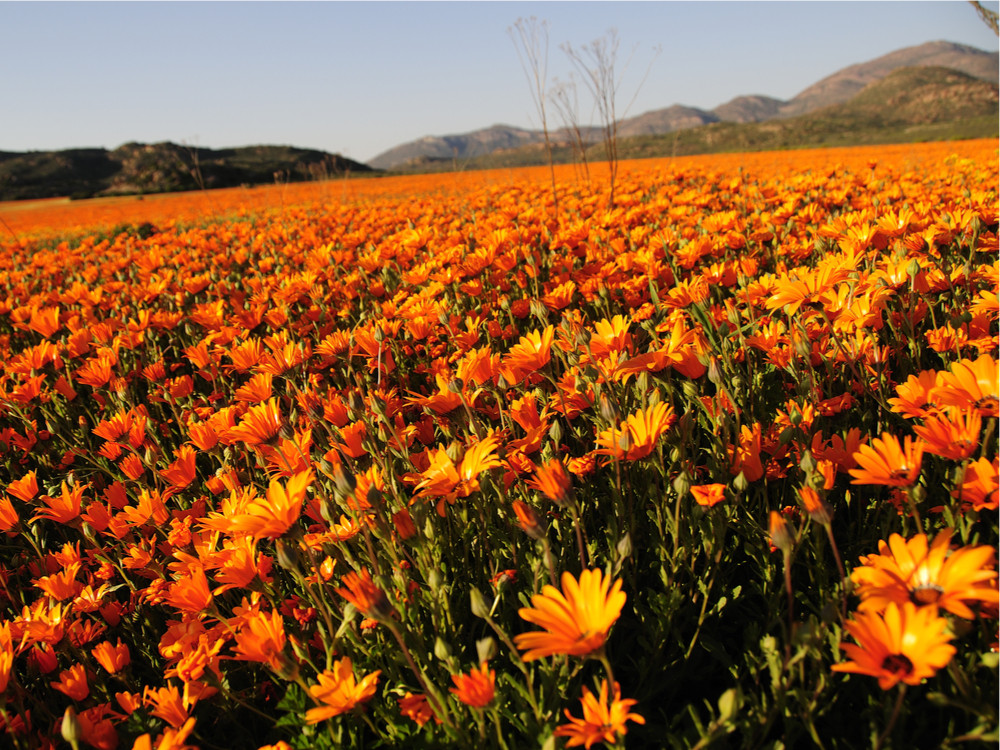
x=477 y=143
x=159 y=167
x=844 y=84
x=834 y=89
x=909 y=105
x=912 y=104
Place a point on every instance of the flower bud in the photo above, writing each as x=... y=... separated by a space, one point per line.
x=486 y=649
x=781 y=537
x=72 y=732
x=477 y=604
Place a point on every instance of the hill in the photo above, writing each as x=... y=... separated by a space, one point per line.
x=909 y=105
x=837 y=88
x=158 y=168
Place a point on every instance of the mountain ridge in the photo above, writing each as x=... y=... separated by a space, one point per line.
x=835 y=88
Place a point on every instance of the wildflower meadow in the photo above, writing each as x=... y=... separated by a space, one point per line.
x=495 y=460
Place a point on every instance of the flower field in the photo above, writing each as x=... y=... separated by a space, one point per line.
x=441 y=461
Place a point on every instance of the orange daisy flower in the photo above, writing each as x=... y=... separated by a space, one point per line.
x=260 y=424
x=971 y=385
x=64 y=508
x=601 y=722
x=914 y=399
x=708 y=494
x=476 y=688
x=361 y=591
x=636 y=437
x=528 y=355
x=272 y=516
x=339 y=692
x=24 y=488
x=980 y=485
x=905 y=644
x=953 y=434
x=886 y=462
x=73 y=682
x=181 y=472
x=552 y=481
x=418 y=708
x=112 y=658
x=911 y=570
x=261 y=638
x=576 y=619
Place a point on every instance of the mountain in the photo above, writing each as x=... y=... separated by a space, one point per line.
x=477 y=143
x=911 y=104
x=908 y=105
x=748 y=109
x=845 y=83
x=159 y=167
x=666 y=120
x=834 y=89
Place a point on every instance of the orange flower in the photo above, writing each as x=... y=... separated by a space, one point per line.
x=980 y=486
x=417 y=707
x=886 y=462
x=913 y=571
x=257 y=389
x=442 y=479
x=528 y=520
x=476 y=688
x=6 y=656
x=112 y=658
x=64 y=508
x=708 y=494
x=73 y=682
x=272 y=516
x=778 y=532
x=552 y=481
x=362 y=592
x=914 y=399
x=132 y=467
x=953 y=434
x=25 y=488
x=260 y=424
x=262 y=639
x=815 y=506
x=8 y=515
x=745 y=457
x=191 y=593
x=528 y=355
x=636 y=437
x=601 y=722
x=339 y=692
x=181 y=472
x=174 y=706
x=576 y=619
x=905 y=644
x=971 y=385
x=62 y=585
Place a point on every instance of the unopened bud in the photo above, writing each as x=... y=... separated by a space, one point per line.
x=441 y=649
x=780 y=535
x=72 y=732
x=287 y=554
x=486 y=649
x=477 y=604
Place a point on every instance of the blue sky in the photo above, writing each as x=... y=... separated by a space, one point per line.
x=360 y=77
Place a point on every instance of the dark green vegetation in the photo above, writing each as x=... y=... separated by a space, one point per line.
x=160 y=168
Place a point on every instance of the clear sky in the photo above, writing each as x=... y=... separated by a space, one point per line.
x=361 y=77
